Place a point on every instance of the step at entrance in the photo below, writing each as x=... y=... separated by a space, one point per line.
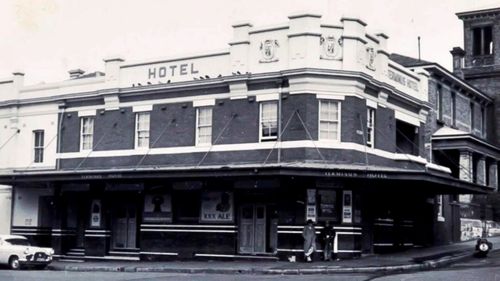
x=74 y=255
x=125 y=254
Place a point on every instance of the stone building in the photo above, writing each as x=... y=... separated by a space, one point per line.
x=456 y=136
x=479 y=63
x=226 y=154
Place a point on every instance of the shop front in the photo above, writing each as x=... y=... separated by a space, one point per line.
x=252 y=213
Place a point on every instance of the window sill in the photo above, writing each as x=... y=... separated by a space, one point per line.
x=203 y=144
x=268 y=139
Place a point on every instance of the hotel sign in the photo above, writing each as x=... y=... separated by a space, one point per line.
x=370 y=175
x=400 y=79
x=172 y=70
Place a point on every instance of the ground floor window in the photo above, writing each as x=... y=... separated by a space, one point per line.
x=186 y=206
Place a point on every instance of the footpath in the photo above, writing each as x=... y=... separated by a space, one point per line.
x=411 y=260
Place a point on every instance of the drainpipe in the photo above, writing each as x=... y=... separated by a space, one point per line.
x=59 y=129
x=279 y=121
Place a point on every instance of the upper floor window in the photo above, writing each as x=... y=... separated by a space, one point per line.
x=87 y=133
x=38 y=145
x=204 y=125
x=407 y=138
x=142 y=130
x=269 y=120
x=370 y=127
x=329 y=116
x=482 y=41
x=439 y=103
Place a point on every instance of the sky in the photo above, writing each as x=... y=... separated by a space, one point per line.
x=46 y=38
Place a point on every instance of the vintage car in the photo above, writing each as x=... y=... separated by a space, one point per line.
x=16 y=251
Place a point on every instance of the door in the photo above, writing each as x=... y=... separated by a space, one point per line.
x=252 y=229
x=76 y=218
x=124 y=227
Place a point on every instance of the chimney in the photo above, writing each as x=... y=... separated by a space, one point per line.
x=75 y=73
x=458 y=58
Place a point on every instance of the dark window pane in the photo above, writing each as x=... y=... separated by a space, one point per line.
x=476 y=41
x=488 y=41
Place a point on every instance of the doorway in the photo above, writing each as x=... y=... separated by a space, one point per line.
x=124 y=226
x=252 y=229
x=76 y=218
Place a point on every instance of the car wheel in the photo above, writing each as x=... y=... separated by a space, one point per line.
x=14 y=263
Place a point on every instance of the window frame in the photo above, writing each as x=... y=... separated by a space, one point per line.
x=198 y=126
x=268 y=138
x=339 y=110
x=38 y=148
x=137 y=131
x=82 y=133
x=371 y=133
x=479 y=36
x=439 y=101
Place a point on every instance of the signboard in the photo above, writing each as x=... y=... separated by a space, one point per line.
x=157 y=208
x=95 y=213
x=327 y=204
x=311 y=205
x=347 y=206
x=217 y=206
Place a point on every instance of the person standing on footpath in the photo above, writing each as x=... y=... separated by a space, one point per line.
x=309 y=234
x=328 y=236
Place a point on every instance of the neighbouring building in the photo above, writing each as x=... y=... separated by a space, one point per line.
x=226 y=154
x=456 y=137
x=5 y=207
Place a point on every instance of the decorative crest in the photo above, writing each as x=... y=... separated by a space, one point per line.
x=268 y=50
x=331 y=48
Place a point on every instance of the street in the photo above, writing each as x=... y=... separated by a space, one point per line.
x=32 y=275
x=470 y=270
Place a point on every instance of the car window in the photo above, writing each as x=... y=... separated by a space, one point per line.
x=18 y=241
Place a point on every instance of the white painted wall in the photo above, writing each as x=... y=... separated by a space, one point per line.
x=26 y=205
x=17 y=149
x=5 y=209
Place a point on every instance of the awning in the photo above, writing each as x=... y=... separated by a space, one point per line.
x=426 y=180
x=448 y=139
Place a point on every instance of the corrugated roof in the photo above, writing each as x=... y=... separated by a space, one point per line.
x=408 y=61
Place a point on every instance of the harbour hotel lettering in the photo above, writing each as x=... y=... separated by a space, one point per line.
x=171 y=70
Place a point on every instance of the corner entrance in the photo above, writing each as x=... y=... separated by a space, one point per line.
x=252 y=229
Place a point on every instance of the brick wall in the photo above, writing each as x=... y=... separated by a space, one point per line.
x=70 y=132
x=353 y=119
x=114 y=129
x=172 y=125
x=385 y=129
x=244 y=126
